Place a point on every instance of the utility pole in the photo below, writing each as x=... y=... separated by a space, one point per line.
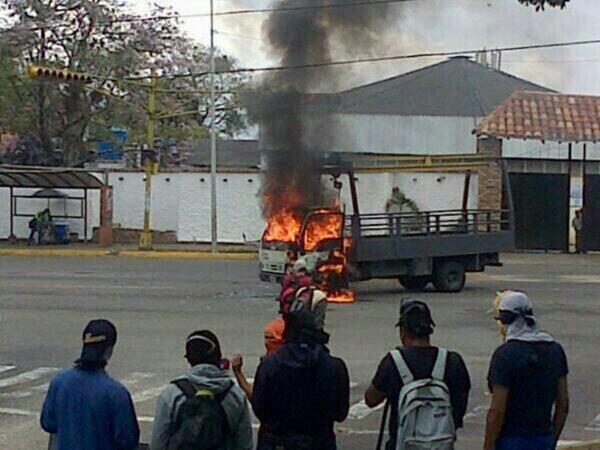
x=213 y=139
x=149 y=163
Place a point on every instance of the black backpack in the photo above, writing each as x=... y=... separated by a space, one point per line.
x=201 y=422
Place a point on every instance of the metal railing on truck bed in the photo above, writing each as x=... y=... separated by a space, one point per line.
x=428 y=223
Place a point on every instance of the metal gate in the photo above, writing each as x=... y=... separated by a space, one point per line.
x=541 y=211
x=591 y=213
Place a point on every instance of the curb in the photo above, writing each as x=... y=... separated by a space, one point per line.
x=189 y=255
x=591 y=445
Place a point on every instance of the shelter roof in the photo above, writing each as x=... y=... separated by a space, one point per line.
x=49 y=178
x=544 y=116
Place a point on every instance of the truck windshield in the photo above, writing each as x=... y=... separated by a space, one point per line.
x=321 y=228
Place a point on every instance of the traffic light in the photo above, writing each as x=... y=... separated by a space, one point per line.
x=61 y=75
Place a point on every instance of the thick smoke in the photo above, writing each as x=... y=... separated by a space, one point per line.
x=293 y=128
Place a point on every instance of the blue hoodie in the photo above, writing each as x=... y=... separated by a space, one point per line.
x=90 y=411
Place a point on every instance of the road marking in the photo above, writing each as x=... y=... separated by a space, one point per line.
x=7 y=368
x=135 y=377
x=360 y=410
x=594 y=424
x=16 y=395
x=474 y=412
x=18 y=412
x=25 y=377
x=146 y=395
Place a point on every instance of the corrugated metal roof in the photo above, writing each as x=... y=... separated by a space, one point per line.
x=546 y=117
x=24 y=177
x=455 y=87
x=230 y=153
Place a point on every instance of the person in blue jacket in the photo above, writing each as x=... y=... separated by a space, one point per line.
x=85 y=409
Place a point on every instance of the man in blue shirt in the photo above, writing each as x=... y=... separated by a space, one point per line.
x=85 y=408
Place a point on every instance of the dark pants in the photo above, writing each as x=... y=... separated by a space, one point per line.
x=270 y=441
x=526 y=443
x=578 y=243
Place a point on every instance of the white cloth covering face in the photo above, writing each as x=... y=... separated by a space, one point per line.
x=519 y=330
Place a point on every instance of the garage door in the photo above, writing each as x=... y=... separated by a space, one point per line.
x=591 y=213
x=541 y=211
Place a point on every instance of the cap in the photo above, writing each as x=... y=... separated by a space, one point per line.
x=202 y=347
x=301 y=264
x=98 y=335
x=416 y=317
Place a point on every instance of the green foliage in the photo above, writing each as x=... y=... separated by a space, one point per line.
x=96 y=37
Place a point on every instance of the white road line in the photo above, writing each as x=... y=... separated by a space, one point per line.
x=148 y=394
x=360 y=410
x=18 y=412
x=25 y=377
x=16 y=394
x=594 y=424
x=135 y=377
x=7 y=368
x=477 y=411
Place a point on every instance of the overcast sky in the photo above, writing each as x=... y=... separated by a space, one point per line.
x=434 y=25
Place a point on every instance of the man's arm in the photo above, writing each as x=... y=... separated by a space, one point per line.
x=162 y=422
x=242 y=434
x=125 y=424
x=343 y=393
x=48 y=418
x=236 y=365
x=561 y=409
x=374 y=397
x=495 y=416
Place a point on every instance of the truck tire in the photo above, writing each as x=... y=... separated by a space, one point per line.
x=415 y=284
x=449 y=276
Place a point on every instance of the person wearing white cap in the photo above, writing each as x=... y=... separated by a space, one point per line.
x=528 y=379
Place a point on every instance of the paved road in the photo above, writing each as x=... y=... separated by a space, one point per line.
x=45 y=302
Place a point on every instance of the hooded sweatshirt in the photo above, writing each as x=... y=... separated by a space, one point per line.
x=302 y=390
x=234 y=404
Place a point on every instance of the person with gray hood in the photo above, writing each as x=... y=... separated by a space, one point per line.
x=202 y=400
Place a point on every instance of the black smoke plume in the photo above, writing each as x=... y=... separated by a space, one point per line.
x=293 y=128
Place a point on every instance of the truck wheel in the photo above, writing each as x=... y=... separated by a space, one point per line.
x=414 y=283
x=449 y=276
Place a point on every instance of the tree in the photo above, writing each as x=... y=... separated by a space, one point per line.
x=102 y=38
x=541 y=4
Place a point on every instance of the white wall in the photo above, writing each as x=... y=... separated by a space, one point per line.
x=57 y=207
x=181 y=201
x=519 y=148
x=418 y=135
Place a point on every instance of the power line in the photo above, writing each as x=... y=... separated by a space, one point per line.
x=381 y=59
x=236 y=12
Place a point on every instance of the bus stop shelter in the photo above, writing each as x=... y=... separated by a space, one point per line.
x=51 y=180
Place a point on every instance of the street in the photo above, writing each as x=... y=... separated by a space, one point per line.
x=45 y=302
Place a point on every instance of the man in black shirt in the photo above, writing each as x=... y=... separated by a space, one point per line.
x=416 y=326
x=300 y=390
x=527 y=377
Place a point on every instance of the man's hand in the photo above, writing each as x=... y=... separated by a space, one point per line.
x=236 y=363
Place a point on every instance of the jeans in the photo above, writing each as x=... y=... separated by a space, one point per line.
x=526 y=443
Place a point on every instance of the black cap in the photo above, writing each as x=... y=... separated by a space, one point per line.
x=415 y=316
x=98 y=335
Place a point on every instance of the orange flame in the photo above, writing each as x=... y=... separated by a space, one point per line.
x=346 y=296
x=325 y=224
x=283 y=227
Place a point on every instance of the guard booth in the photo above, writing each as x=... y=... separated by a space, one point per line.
x=50 y=184
x=549 y=142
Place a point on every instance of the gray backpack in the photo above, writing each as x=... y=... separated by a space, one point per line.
x=424 y=410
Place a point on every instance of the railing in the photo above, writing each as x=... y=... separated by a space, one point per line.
x=430 y=223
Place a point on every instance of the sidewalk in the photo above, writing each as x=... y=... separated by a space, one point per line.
x=160 y=251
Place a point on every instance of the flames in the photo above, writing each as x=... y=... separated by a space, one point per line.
x=324 y=225
x=284 y=226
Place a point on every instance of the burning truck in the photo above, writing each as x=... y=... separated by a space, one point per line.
x=417 y=248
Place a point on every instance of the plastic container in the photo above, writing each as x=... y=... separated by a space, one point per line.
x=61 y=233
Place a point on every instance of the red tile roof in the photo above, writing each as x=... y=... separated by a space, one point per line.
x=544 y=116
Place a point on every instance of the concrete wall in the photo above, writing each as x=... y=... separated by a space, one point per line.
x=417 y=135
x=181 y=201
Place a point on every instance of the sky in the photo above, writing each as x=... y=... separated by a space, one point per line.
x=429 y=26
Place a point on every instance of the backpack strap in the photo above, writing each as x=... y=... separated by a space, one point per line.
x=186 y=386
x=403 y=370
x=439 y=369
